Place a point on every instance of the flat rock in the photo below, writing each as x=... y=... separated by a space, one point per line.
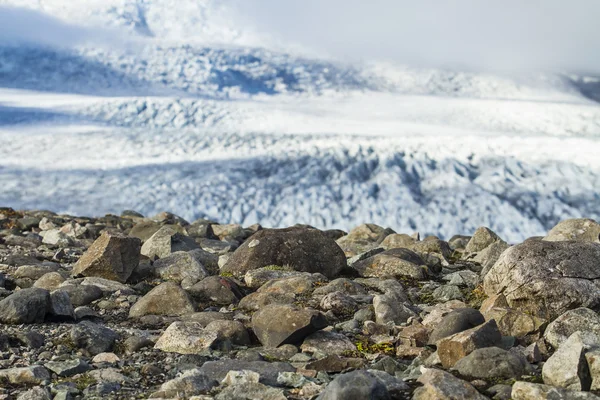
x=492 y=363
x=579 y=319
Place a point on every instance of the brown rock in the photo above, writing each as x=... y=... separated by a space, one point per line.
x=453 y=348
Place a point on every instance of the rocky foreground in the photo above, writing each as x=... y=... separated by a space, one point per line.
x=127 y=307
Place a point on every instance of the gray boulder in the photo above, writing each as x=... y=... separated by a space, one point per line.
x=92 y=337
x=491 y=363
x=25 y=306
x=547 y=278
x=302 y=249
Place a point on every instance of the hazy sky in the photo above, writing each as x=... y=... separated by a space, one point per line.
x=492 y=34
x=499 y=34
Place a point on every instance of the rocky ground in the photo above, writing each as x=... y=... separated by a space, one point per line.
x=128 y=307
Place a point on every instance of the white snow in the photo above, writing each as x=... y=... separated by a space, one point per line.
x=196 y=119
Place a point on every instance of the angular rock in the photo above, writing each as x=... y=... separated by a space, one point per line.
x=257 y=277
x=25 y=306
x=167 y=241
x=579 y=229
x=112 y=256
x=453 y=348
x=92 y=337
x=33 y=375
x=305 y=250
x=216 y=289
x=60 y=306
x=240 y=377
x=441 y=385
x=535 y=391
x=482 y=238
x=186 y=338
x=390 y=309
x=454 y=322
x=277 y=324
x=491 y=363
x=165 y=299
x=339 y=303
x=547 y=278
x=489 y=256
x=180 y=267
x=69 y=367
x=515 y=323
x=355 y=385
x=567 y=367
x=37 y=393
x=580 y=319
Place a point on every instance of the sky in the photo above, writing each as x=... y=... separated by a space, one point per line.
x=555 y=35
x=507 y=34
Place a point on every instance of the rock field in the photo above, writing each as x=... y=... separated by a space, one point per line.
x=134 y=307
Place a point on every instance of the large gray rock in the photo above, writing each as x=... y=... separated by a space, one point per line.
x=355 y=385
x=568 y=367
x=278 y=324
x=441 y=385
x=92 y=337
x=488 y=256
x=303 y=249
x=167 y=241
x=535 y=391
x=579 y=319
x=112 y=256
x=547 y=278
x=25 y=306
x=165 y=299
x=579 y=229
x=492 y=363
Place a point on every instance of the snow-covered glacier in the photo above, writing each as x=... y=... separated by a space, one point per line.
x=192 y=114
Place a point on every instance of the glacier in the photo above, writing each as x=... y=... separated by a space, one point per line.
x=193 y=115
